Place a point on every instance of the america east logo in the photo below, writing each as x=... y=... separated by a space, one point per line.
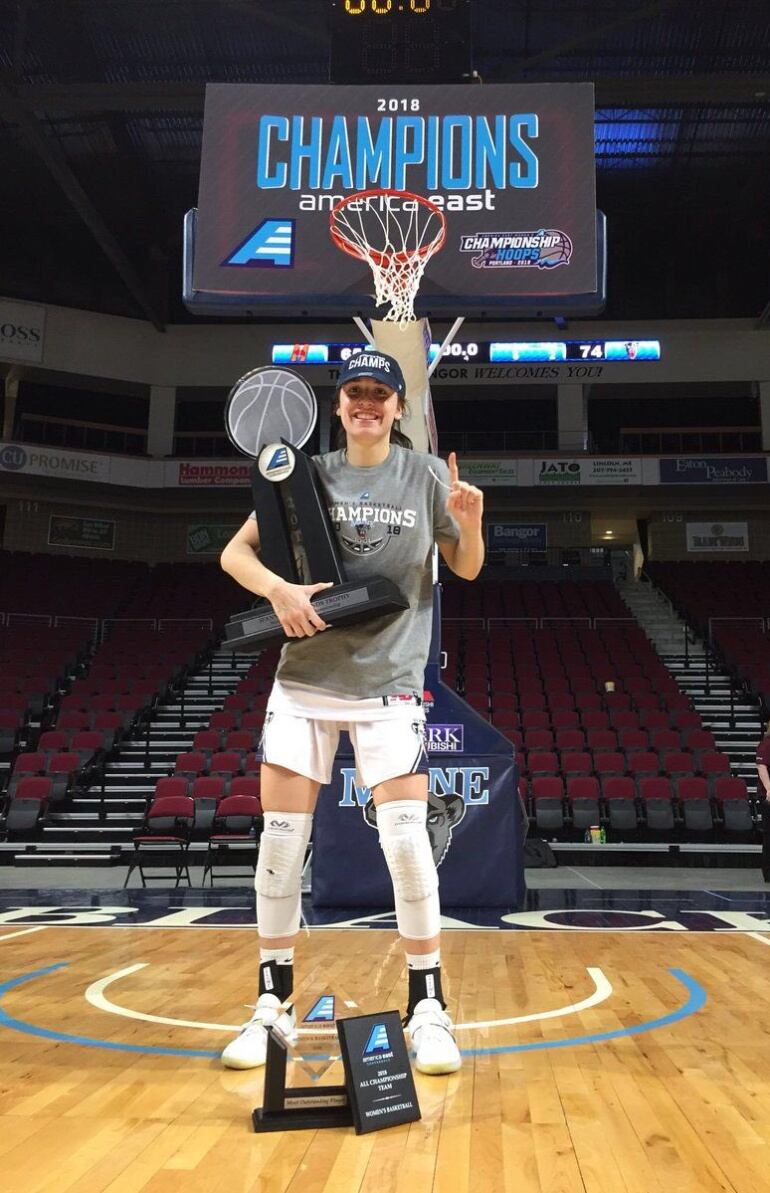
x=543 y=249
x=378 y=1044
x=269 y=246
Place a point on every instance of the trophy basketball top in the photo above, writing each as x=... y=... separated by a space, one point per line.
x=269 y=405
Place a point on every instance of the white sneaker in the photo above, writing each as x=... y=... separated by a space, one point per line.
x=249 y=1049
x=433 y=1040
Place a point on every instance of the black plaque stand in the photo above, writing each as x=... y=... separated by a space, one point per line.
x=301 y=1108
x=297 y=542
x=378 y=1091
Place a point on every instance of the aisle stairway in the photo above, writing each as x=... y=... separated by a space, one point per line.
x=733 y=721
x=656 y=615
x=96 y=829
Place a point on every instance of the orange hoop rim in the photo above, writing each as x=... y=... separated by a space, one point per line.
x=384 y=258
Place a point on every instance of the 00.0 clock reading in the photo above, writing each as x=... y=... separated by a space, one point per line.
x=382 y=7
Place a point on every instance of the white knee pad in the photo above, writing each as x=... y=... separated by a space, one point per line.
x=406 y=845
x=278 y=878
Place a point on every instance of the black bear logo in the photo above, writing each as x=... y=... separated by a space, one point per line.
x=444 y=813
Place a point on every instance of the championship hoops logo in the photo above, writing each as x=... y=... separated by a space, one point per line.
x=544 y=249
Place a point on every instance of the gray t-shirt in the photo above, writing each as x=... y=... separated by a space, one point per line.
x=387 y=519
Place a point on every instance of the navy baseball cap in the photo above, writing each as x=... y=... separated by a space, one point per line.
x=378 y=365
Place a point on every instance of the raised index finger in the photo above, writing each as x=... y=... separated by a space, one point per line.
x=454 y=473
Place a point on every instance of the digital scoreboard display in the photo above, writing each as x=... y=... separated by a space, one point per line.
x=400 y=41
x=471 y=352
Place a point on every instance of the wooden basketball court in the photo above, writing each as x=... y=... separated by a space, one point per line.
x=597 y=1061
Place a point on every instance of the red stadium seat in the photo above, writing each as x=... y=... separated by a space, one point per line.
x=542 y=762
x=548 y=802
x=663 y=740
x=576 y=762
x=565 y=718
x=678 y=762
x=538 y=739
x=595 y=720
x=642 y=764
x=609 y=762
x=192 y=763
x=570 y=739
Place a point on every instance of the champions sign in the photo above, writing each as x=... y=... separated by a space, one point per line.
x=511 y=165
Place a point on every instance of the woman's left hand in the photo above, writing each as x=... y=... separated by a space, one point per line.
x=465 y=502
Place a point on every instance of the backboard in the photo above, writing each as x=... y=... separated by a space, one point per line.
x=511 y=165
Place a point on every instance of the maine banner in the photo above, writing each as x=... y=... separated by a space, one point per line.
x=475 y=823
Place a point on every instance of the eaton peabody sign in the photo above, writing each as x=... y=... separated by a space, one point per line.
x=714 y=470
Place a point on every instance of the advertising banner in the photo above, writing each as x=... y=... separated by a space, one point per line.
x=210 y=474
x=46 y=461
x=717 y=536
x=210 y=538
x=593 y=470
x=22 y=331
x=713 y=470
x=96 y=534
x=488 y=472
x=517 y=536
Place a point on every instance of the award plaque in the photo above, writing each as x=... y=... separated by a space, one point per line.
x=270 y=415
x=378 y=1091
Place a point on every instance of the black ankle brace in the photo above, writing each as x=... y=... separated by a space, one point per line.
x=424 y=983
x=276 y=979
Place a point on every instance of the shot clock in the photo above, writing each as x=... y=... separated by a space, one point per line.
x=400 y=41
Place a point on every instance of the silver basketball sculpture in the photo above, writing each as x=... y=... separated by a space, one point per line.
x=268 y=405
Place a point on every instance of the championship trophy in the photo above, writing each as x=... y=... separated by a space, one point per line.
x=270 y=415
x=377 y=1090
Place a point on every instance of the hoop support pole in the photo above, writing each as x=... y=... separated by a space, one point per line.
x=449 y=339
x=365 y=331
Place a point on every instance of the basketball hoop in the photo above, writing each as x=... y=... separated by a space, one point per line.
x=396 y=233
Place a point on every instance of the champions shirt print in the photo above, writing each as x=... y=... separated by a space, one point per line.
x=386 y=519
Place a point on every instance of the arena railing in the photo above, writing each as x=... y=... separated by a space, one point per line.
x=204 y=623
x=762 y=621
x=154 y=623
x=539 y=623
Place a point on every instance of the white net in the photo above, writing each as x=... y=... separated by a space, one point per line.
x=396 y=234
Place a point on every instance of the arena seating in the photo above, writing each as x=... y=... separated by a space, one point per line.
x=114 y=588
x=703 y=592
x=129 y=673
x=602 y=731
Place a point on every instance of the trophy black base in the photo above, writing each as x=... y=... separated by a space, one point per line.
x=295 y=1117
x=378 y=1091
x=298 y=1108
x=345 y=604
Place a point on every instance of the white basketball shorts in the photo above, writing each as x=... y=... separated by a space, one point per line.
x=302 y=729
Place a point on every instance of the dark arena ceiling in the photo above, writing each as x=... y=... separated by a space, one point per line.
x=101 y=113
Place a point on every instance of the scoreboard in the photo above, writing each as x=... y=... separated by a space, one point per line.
x=491 y=352
x=400 y=41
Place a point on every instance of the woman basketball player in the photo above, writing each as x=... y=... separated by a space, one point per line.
x=368 y=679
